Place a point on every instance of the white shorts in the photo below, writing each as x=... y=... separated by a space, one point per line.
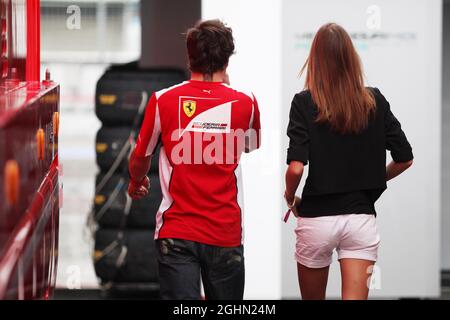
x=352 y=235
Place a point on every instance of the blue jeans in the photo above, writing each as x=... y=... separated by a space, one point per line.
x=182 y=263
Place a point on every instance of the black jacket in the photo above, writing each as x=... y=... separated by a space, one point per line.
x=342 y=163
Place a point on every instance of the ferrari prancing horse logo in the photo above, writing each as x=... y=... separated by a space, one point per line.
x=189 y=107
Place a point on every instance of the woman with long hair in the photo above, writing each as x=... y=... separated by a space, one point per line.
x=342 y=129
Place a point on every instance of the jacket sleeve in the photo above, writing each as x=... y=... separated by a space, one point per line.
x=297 y=132
x=396 y=141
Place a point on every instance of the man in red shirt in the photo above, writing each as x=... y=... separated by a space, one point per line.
x=204 y=125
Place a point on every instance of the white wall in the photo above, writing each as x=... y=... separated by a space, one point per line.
x=407 y=69
x=446 y=141
x=257 y=66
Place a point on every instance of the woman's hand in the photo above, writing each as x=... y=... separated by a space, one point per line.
x=293 y=176
x=292 y=203
x=294 y=209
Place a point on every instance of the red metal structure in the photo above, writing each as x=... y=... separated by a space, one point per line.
x=29 y=168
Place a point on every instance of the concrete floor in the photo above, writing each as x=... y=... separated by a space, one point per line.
x=79 y=169
x=78 y=128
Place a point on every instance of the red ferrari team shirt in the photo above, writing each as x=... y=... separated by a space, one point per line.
x=204 y=127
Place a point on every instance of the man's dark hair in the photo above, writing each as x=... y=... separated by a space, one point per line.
x=209 y=44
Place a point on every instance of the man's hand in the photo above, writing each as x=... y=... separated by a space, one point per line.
x=137 y=190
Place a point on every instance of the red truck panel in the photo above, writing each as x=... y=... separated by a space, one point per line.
x=29 y=185
x=29 y=227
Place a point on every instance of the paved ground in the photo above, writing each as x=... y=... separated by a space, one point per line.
x=78 y=128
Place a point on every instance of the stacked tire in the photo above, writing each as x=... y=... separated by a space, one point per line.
x=124 y=253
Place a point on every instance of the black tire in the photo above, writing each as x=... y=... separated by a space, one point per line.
x=119 y=91
x=142 y=212
x=109 y=143
x=139 y=264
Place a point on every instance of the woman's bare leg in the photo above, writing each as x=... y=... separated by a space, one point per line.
x=355 y=275
x=313 y=282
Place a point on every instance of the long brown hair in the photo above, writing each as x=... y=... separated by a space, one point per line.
x=336 y=81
